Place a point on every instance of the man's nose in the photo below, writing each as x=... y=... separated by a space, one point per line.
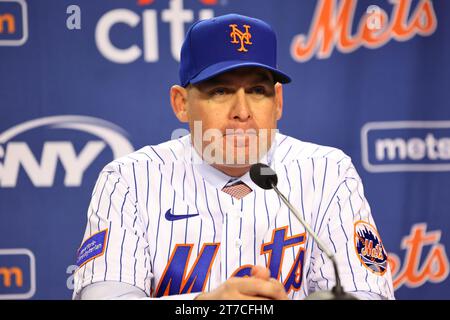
x=241 y=109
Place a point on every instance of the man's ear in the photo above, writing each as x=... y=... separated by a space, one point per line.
x=178 y=100
x=279 y=100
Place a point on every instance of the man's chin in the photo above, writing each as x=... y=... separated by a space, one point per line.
x=230 y=164
x=235 y=170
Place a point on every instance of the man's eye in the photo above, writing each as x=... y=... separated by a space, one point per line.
x=219 y=91
x=260 y=90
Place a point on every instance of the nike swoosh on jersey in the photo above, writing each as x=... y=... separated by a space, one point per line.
x=171 y=217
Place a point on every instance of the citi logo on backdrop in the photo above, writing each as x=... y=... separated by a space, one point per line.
x=147 y=25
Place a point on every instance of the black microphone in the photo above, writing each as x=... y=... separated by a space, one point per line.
x=264 y=177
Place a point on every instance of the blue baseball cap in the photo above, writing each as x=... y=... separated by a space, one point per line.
x=227 y=42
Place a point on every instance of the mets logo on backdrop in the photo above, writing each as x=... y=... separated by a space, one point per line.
x=332 y=27
x=244 y=37
x=369 y=248
x=425 y=259
x=395 y=146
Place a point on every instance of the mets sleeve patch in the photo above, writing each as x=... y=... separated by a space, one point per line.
x=369 y=248
x=92 y=248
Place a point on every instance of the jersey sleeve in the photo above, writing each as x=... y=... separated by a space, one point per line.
x=349 y=231
x=114 y=247
x=112 y=290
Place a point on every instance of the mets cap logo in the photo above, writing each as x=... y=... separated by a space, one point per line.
x=369 y=248
x=244 y=37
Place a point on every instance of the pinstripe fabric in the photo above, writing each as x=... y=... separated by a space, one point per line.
x=134 y=195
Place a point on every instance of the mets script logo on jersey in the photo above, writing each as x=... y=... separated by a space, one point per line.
x=332 y=26
x=425 y=259
x=146 y=24
x=173 y=280
x=244 y=37
x=369 y=248
x=406 y=146
x=17 y=274
x=13 y=22
x=16 y=146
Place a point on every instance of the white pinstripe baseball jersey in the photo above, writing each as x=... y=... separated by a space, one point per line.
x=162 y=224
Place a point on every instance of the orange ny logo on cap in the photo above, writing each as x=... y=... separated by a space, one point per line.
x=244 y=37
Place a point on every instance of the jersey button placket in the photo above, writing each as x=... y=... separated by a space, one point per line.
x=234 y=218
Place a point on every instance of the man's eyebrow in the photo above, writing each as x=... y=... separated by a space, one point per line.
x=215 y=81
x=260 y=77
x=224 y=80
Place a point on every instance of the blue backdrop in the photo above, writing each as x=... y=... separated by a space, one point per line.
x=83 y=82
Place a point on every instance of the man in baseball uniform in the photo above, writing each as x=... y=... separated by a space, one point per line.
x=184 y=220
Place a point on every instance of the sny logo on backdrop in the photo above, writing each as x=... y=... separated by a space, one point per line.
x=434 y=268
x=332 y=26
x=406 y=146
x=175 y=15
x=17 y=274
x=17 y=154
x=13 y=22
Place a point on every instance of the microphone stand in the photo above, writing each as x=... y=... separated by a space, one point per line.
x=337 y=293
